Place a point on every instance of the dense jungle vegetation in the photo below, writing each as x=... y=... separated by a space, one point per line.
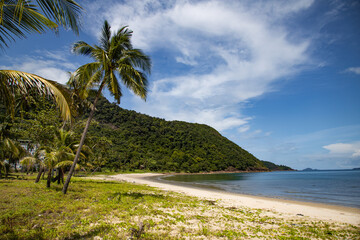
x=124 y=140
x=143 y=142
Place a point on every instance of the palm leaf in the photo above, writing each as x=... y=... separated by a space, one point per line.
x=19 y=17
x=65 y=12
x=12 y=81
x=66 y=164
x=28 y=162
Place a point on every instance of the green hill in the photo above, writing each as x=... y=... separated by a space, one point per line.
x=143 y=142
x=274 y=167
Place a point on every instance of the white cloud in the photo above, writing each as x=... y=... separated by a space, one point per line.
x=344 y=149
x=355 y=70
x=235 y=52
x=244 y=129
x=49 y=65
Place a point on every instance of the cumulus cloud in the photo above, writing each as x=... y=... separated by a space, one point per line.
x=344 y=149
x=234 y=51
x=355 y=70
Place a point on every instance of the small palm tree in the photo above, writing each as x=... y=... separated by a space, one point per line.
x=57 y=159
x=28 y=162
x=59 y=156
x=114 y=58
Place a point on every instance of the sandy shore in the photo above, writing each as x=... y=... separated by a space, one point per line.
x=286 y=208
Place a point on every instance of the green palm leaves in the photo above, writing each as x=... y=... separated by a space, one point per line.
x=114 y=58
x=16 y=82
x=19 y=17
x=115 y=62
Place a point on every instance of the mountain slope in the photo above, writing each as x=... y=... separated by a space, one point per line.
x=140 y=141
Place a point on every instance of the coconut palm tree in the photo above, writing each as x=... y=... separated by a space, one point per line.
x=28 y=162
x=57 y=159
x=59 y=156
x=114 y=59
x=19 y=17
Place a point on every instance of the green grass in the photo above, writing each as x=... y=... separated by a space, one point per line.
x=118 y=210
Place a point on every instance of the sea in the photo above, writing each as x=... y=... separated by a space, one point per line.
x=335 y=187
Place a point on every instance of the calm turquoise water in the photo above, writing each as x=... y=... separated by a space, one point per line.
x=331 y=187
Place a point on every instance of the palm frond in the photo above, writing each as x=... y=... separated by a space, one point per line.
x=139 y=60
x=105 y=36
x=114 y=87
x=19 y=18
x=11 y=81
x=65 y=12
x=28 y=161
x=82 y=48
x=134 y=80
x=66 y=164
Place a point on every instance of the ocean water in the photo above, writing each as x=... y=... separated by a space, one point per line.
x=341 y=187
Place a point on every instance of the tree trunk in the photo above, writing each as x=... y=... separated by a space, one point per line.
x=62 y=176
x=7 y=169
x=39 y=174
x=48 y=182
x=58 y=176
x=83 y=136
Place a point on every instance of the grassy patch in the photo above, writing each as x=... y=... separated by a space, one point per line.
x=118 y=210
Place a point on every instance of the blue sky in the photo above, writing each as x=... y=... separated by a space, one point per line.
x=279 y=78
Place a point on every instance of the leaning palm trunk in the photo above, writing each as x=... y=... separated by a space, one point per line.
x=39 y=174
x=115 y=56
x=82 y=141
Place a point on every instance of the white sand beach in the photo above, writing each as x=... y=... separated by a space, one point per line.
x=283 y=208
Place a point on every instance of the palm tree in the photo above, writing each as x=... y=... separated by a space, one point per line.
x=57 y=159
x=28 y=162
x=58 y=156
x=114 y=57
x=19 y=17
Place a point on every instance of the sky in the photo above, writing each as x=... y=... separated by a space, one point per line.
x=279 y=78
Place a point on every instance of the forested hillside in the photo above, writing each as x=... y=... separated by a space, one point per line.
x=143 y=142
x=274 y=167
x=126 y=140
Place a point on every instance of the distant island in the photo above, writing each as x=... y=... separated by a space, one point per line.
x=309 y=169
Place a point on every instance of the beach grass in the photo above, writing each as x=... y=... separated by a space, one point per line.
x=94 y=209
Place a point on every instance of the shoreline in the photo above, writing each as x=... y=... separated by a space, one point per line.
x=285 y=208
